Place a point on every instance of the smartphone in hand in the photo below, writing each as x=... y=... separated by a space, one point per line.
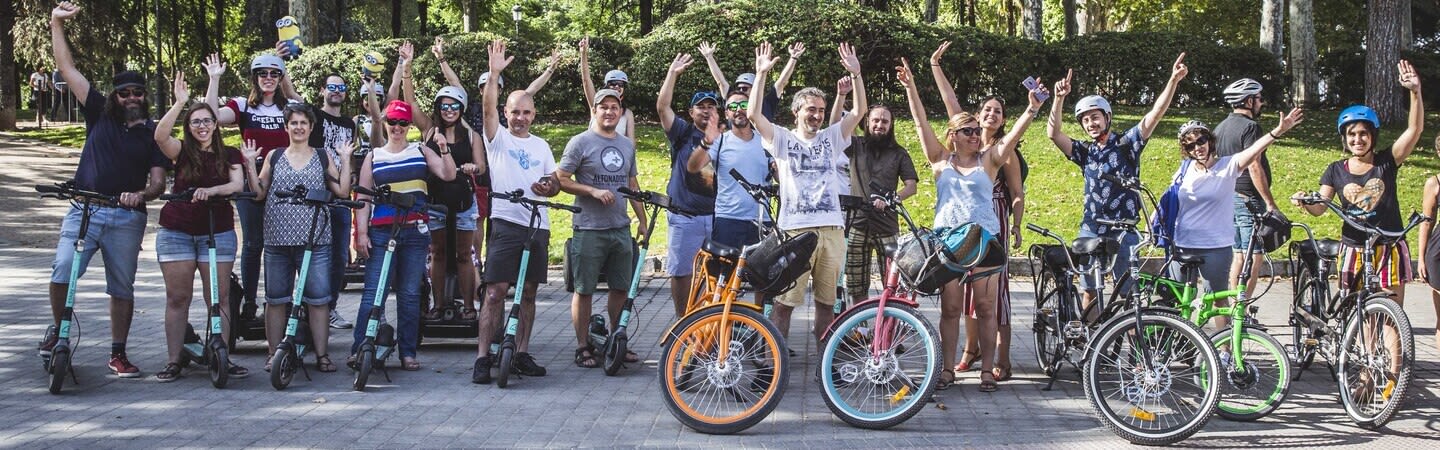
x=1033 y=86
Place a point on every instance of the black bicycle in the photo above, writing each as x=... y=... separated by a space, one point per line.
x=1063 y=325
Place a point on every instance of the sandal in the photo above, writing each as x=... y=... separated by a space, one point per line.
x=1001 y=373
x=171 y=372
x=434 y=314
x=469 y=313
x=409 y=363
x=631 y=357
x=585 y=357
x=235 y=371
x=946 y=382
x=988 y=385
x=966 y=361
x=324 y=364
x=268 y=358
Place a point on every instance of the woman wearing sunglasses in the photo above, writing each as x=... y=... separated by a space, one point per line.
x=615 y=80
x=404 y=167
x=446 y=124
x=965 y=170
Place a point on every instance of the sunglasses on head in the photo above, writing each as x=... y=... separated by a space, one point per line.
x=737 y=106
x=202 y=122
x=451 y=106
x=336 y=87
x=1199 y=141
x=268 y=74
x=398 y=123
x=967 y=131
x=129 y=93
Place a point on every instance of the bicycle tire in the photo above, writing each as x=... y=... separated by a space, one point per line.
x=59 y=368
x=366 y=362
x=754 y=341
x=1265 y=384
x=1371 y=415
x=507 y=362
x=886 y=385
x=1171 y=337
x=219 y=367
x=1049 y=344
x=1311 y=298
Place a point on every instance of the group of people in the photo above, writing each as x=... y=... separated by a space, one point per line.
x=470 y=146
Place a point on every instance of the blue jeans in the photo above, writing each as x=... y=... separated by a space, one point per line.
x=116 y=233
x=406 y=269
x=252 y=229
x=282 y=266
x=339 y=251
x=1122 y=261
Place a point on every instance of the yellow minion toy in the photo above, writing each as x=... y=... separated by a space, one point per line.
x=289 y=31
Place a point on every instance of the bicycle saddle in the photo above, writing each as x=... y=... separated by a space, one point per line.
x=720 y=250
x=1327 y=248
x=1095 y=246
x=1189 y=259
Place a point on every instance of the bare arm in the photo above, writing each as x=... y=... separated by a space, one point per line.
x=339 y=181
x=783 y=80
x=763 y=64
x=438 y=49
x=407 y=87
x=708 y=51
x=667 y=91
x=498 y=61
x=842 y=89
x=215 y=69
x=1405 y=144
x=1432 y=188
x=934 y=150
x=947 y=90
x=908 y=190
x=1162 y=103
x=585 y=81
x=539 y=82
x=60 y=48
x=852 y=65
x=165 y=128
x=638 y=208
x=1007 y=144
x=1326 y=193
x=1057 y=135
x=362 y=226
x=1251 y=154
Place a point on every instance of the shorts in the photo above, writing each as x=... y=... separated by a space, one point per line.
x=734 y=233
x=1122 y=261
x=825 y=266
x=282 y=266
x=1245 y=208
x=464 y=221
x=1215 y=271
x=686 y=234
x=591 y=251
x=504 y=248
x=116 y=233
x=1392 y=265
x=173 y=246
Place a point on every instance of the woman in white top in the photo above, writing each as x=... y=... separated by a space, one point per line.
x=1205 y=225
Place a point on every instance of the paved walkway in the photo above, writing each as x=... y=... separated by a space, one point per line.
x=572 y=407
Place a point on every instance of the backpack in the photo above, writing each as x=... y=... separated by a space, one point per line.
x=324 y=161
x=1167 y=213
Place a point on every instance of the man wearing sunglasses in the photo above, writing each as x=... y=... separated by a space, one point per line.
x=746 y=81
x=687 y=190
x=331 y=132
x=1108 y=153
x=119 y=158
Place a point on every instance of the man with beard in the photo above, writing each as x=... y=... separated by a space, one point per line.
x=809 y=161
x=119 y=158
x=331 y=132
x=687 y=234
x=595 y=164
x=875 y=158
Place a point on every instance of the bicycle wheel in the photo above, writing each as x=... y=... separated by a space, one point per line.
x=727 y=396
x=59 y=368
x=879 y=392
x=1256 y=391
x=1375 y=358
x=1049 y=344
x=1310 y=297
x=1163 y=403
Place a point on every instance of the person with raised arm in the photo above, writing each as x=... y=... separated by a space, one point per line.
x=687 y=234
x=745 y=81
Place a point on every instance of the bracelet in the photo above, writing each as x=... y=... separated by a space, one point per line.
x=1272 y=135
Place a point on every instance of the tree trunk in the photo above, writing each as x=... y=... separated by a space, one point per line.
x=1407 y=25
x=932 y=10
x=467 y=12
x=1303 y=80
x=424 y=10
x=1382 y=51
x=1272 y=26
x=1010 y=17
x=219 y=25
x=647 y=16
x=1033 y=14
x=304 y=13
x=1072 y=27
x=397 y=7
x=9 y=78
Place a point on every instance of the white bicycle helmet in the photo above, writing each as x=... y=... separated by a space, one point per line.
x=485 y=78
x=1237 y=92
x=1192 y=125
x=616 y=75
x=1092 y=102
x=454 y=92
x=267 y=61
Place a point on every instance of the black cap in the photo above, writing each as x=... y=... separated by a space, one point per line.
x=128 y=78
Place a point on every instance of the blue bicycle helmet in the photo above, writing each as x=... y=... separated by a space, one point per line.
x=1356 y=113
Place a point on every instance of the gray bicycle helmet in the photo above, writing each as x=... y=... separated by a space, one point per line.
x=616 y=75
x=1237 y=92
x=1192 y=125
x=267 y=61
x=454 y=92
x=1090 y=103
x=485 y=78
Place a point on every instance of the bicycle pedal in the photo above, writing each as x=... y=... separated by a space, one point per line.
x=1311 y=342
x=899 y=396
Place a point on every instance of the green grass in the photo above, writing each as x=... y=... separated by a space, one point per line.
x=1054 y=190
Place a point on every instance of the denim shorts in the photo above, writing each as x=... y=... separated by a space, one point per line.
x=687 y=234
x=1245 y=207
x=464 y=221
x=114 y=232
x=172 y=246
x=282 y=265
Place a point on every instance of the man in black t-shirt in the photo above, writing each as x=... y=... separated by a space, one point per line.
x=331 y=132
x=1252 y=190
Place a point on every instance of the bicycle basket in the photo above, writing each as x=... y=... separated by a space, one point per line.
x=1273 y=231
x=927 y=260
x=773 y=266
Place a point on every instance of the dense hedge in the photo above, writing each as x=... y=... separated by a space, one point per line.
x=1130 y=68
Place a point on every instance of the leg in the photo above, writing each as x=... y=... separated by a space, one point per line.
x=379 y=237
x=252 y=223
x=317 y=298
x=780 y=315
x=857 y=264
x=686 y=236
x=339 y=259
x=492 y=315
x=439 y=274
x=279 y=288
x=122 y=231
x=409 y=268
x=527 y=317
x=580 y=317
x=680 y=293
x=829 y=261
x=223 y=270
x=983 y=292
x=465 y=270
x=951 y=309
x=179 y=282
x=1435 y=299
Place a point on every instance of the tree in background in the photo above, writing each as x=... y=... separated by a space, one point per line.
x=1303 y=80
x=1382 y=45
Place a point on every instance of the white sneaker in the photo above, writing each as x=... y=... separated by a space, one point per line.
x=338 y=322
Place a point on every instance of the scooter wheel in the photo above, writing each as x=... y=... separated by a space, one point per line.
x=507 y=361
x=219 y=367
x=282 y=367
x=59 y=368
x=366 y=361
x=615 y=349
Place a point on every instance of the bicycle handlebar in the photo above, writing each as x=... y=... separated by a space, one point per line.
x=661 y=201
x=1126 y=182
x=518 y=196
x=189 y=194
x=67 y=191
x=760 y=193
x=1349 y=217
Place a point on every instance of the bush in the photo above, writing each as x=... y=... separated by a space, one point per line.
x=1132 y=68
x=1343 y=71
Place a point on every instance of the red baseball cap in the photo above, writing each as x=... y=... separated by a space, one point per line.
x=399 y=110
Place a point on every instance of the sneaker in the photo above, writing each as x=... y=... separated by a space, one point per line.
x=482 y=371
x=338 y=322
x=525 y=365
x=122 y=367
x=47 y=344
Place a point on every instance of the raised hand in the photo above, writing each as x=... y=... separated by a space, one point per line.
x=1289 y=121
x=796 y=50
x=682 y=60
x=250 y=151
x=1408 y=78
x=1178 y=71
x=554 y=60
x=585 y=48
x=763 y=61
x=707 y=49
x=1035 y=101
x=64 y=11
x=406 y=52
x=281 y=49
x=1062 y=87
x=180 y=88
x=848 y=59
x=438 y=49
x=213 y=67
x=939 y=53
x=498 y=60
x=844 y=85
x=902 y=73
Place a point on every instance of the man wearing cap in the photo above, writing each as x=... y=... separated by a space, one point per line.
x=745 y=81
x=520 y=161
x=687 y=234
x=809 y=162
x=596 y=163
x=119 y=158
x=1108 y=153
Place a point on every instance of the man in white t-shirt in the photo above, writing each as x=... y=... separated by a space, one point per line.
x=809 y=160
x=518 y=161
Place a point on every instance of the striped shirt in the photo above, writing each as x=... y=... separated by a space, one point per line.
x=405 y=172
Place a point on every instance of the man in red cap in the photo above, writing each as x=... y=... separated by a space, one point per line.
x=119 y=158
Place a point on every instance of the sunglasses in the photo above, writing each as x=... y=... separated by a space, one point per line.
x=206 y=122
x=451 y=106
x=130 y=93
x=397 y=123
x=967 y=131
x=268 y=74
x=1199 y=141
x=336 y=87
x=737 y=106
x=615 y=84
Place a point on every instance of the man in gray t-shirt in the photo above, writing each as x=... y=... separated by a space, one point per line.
x=595 y=165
